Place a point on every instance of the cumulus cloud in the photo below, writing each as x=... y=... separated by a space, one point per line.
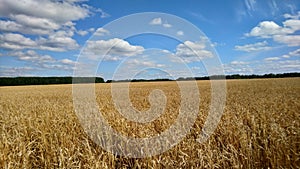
x=67 y=62
x=16 y=71
x=12 y=26
x=156 y=21
x=238 y=67
x=35 y=22
x=16 y=41
x=91 y=30
x=51 y=22
x=286 y=56
x=59 y=41
x=40 y=62
x=290 y=40
x=238 y=63
x=285 y=34
x=39 y=17
x=275 y=65
x=272 y=58
x=293 y=24
x=115 y=48
x=166 y=25
x=30 y=25
x=143 y=63
x=101 y=32
x=282 y=66
x=295 y=52
x=193 y=51
x=32 y=56
x=159 y=21
x=103 y=14
x=180 y=33
x=82 y=32
x=266 y=29
x=289 y=16
x=253 y=47
x=291 y=54
x=55 y=11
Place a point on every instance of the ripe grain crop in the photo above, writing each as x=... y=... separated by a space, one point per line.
x=260 y=127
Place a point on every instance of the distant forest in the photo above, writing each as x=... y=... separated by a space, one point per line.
x=15 y=81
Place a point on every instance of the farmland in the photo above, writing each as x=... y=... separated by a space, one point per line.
x=260 y=127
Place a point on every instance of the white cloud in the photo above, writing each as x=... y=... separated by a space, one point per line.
x=272 y=58
x=82 y=32
x=290 y=65
x=192 y=51
x=290 y=40
x=180 y=33
x=291 y=54
x=238 y=63
x=40 y=17
x=166 y=25
x=266 y=29
x=42 y=62
x=282 y=34
x=91 y=30
x=287 y=66
x=8 y=26
x=235 y=67
x=156 y=21
x=59 y=41
x=103 y=14
x=292 y=24
x=67 y=62
x=35 y=22
x=52 y=22
x=295 y=53
x=101 y=32
x=286 y=56
x=12 y=26
x=42 y=25
x=159 y=21
x=262 y=67
x=289 y=16
x=16 y=71
x=74 y=1
x=253 y=47
x=16 y=41
x=143 y=63
x=59 y=12
x=32 y=56
x=116 y=48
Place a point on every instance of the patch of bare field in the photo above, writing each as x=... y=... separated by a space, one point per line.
x=260 y=127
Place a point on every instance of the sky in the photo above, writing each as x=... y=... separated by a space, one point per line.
x=120 y=39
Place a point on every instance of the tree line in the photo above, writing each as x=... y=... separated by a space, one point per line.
x=238 y=76
x=15 y=81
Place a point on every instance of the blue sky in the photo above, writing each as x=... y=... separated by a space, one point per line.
x=45 y=38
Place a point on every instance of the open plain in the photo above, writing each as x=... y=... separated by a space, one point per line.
x=260 y=127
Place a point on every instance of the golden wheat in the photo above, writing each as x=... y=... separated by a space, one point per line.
x=260 y=127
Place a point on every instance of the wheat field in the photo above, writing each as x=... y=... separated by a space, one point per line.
x=260 y=127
